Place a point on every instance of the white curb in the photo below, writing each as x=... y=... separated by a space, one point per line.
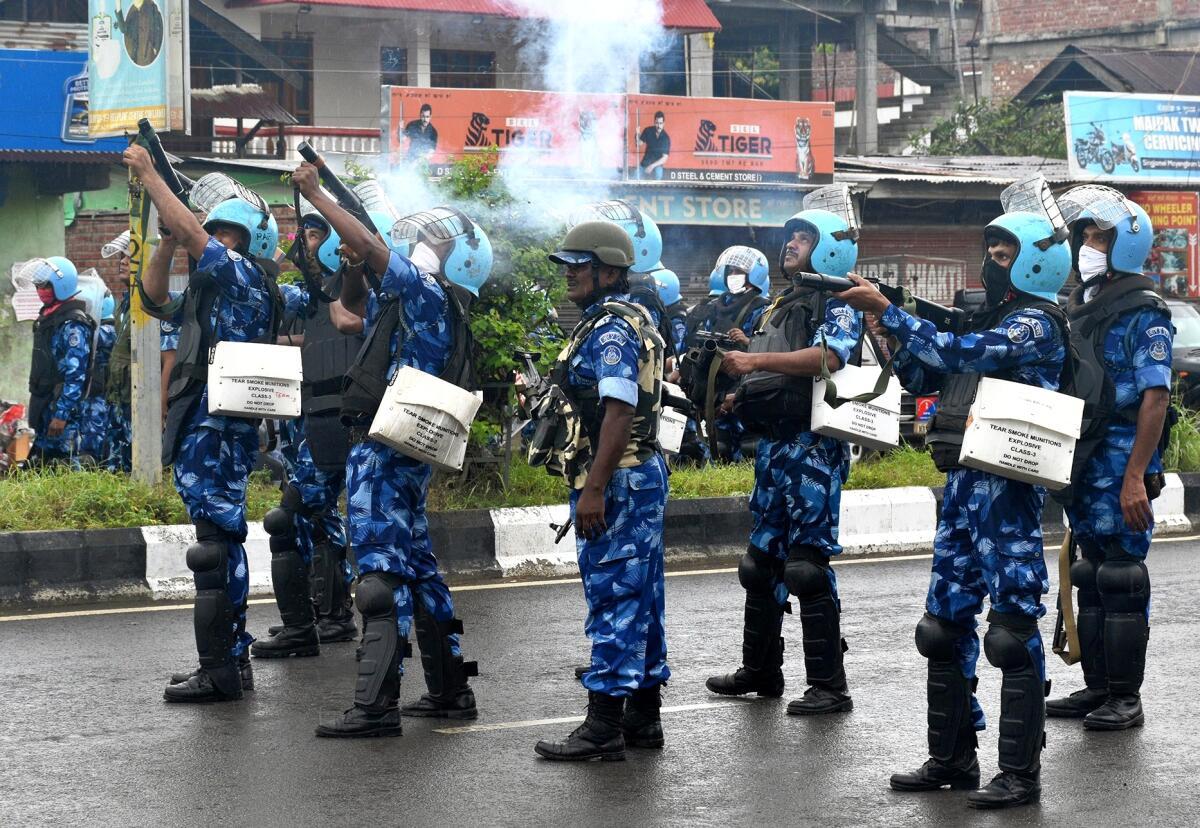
x=1169 y=516
x=891 y=521
x=525 y=542
x=167 y=573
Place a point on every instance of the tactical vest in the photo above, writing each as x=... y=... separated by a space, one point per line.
x=722 y=317
x=326 y=356
x=642 y=291
x=45 y=376
x=197 y=339
x=780 y=405
x=575 y=452
x=119 y=383
x=958 y=390
x=367 y=379
x=674 y=311
x=101 y=359
x=1090 y=324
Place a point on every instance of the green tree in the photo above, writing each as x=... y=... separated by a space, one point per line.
x=760 y=68
x=998 y=128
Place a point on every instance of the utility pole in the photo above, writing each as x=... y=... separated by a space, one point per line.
x=958 y=72
x=145 y=369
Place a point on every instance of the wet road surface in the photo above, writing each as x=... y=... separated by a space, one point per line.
x=86 y=738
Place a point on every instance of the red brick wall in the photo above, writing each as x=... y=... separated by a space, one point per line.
x=91 y=231
x=1038 y=17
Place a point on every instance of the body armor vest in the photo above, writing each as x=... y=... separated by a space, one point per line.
x=1090 y=324
x=45 y=376
x=98 y=377
x=780 y=405
x=642 y=291
x=327 y=354
x=189 y=377
x=722 y=317
x=367 y=379
x=118 y=386
x=958 y=390
x=575 y=455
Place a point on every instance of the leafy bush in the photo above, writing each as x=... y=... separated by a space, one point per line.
x=998 y=128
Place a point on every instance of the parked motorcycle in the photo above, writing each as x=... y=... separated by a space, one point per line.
x=1092 y=150
x=1123 y=153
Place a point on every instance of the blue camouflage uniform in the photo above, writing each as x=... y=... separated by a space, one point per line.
x=216 y=453
x=679 y=335
x=798 y=482
x=168 y=336
x=385 y=489
x=120 y=438
x=71 y=347
x=94 y=429
x=989 y=536
x=622 y=570
x=1137 y=352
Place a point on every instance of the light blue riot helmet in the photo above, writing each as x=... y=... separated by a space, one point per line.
x=1108 y=209
x=386 y=224
x=1134 y=237
x=643 y=232
x=327 y=252
x=667 y=285
x=463 y=248
x=108 y=308
x=1041 y=265
x=58 y=272
x=746 y=260
x=261 y=229
x=716 y=283
x=835 y=251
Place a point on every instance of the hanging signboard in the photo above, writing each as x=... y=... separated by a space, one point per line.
x=1173 y=261
x=1132 y=138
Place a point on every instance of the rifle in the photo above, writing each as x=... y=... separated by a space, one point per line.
x=176 y=182
x=345 y=197
x=699 y=375
x=949 y=320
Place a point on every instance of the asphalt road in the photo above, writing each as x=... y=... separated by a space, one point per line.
x=86 y=738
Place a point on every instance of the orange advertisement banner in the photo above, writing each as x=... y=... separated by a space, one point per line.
x=729 y=140
x=1173 y=261
x=577 y=136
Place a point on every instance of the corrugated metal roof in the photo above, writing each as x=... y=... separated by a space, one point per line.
x=686 y=15
x=1163 y=71
x=245 y=101
x=51 y=37
x=60 y=156
x=984 y=169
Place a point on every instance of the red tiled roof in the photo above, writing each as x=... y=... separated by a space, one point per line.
x=688 y=15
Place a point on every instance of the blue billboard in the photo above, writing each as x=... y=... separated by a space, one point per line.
x=1132 y=138
x=44 y=102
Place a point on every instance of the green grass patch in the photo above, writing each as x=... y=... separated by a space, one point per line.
x=63 y=499
x=1183 y=452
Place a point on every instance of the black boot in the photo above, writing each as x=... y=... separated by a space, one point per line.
x=807 y=577
x=1125 y=590
x=952 y=760
x=243 y=667
x=214 y=618
x=1125 y=636
x=331 y=594
x=762 y=647
x=1090 y=624
x=289 y=577
x=374 y=712
x=1022 y=714
x=642 y=724
x=449 y=696
x=599 y=737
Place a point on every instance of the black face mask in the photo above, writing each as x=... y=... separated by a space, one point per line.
x=995 y=282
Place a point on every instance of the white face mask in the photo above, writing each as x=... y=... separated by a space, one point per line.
x=735 y=282
x=1092 y=263
x=425 y=258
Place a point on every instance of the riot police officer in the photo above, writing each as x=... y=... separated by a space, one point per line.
x=94 y=429
x=989 y=537
x=62 y=354
x=1123 y=327
x=609 y=379
x=798 y=475
x=414 y=314
x=118 y=384
x=229 y=297
x=309 y=571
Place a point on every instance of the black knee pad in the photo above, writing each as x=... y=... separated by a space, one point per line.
x=279 y=522
x=758 y=572
x=937 y=637
x=208 y=562
x=1124 y=584
x=806 y=572
x=375 y=595
x=1005 y=642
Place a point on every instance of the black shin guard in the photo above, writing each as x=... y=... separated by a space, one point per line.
x=289 y=572
x=1022 y=692
x=951 y=731
x=1125 y=591
x=214 y=615
x=378 y=684
x=762 y=646
x=807 y=577
x=1090 y=620
x=445 y=673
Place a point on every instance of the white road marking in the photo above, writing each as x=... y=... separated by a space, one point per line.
x=48 y=616
x=487 y=728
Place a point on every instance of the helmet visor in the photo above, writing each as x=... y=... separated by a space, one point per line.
x=215 y=188
x=835 y=199
x=35 y=273
x=1032 y=195
x=437 y=225
x=1104 y=205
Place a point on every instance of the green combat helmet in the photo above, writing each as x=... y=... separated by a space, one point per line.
x=592 y=241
